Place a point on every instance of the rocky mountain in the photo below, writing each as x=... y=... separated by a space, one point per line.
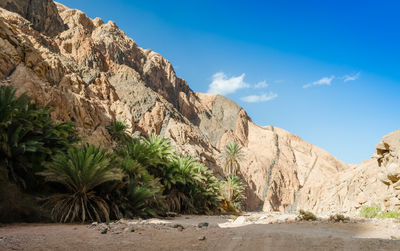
x=92 y=73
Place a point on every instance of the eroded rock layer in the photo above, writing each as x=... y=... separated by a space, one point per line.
x=92 y=73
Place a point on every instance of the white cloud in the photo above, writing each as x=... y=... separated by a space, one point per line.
x=260 y=98
x=262 y=84
x=347 y=78
x=322 y=81
x=223 y=85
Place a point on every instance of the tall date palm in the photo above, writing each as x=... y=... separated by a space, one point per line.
x=232 y=156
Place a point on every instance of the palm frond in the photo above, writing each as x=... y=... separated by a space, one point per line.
x=81 y=171
x=232 y=156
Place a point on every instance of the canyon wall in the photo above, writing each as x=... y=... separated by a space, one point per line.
x=92 y=73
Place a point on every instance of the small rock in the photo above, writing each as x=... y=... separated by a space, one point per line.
x=177 y=225
x=129 y=229
x=171 y=214
x=202 y=238
x=240 y=220
x=95 y=223
x=104 y=231
x=180 y=229
x=202 y=224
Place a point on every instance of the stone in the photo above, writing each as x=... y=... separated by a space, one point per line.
x=104 y=231
x=129 y=230
x=202 y=238
x=240 y=220
x=177 y=226
x=171 y=214
x=202 y=224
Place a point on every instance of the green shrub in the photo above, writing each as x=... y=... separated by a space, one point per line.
x=370 y=211
x=390 y=214
x=306 y=216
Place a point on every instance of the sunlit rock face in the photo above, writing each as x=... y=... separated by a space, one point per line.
x=388 y=157
x=91 y=73
x=42 y=14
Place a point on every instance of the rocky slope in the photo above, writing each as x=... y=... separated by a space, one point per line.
x=92 y=73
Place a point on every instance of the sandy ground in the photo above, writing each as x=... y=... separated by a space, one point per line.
x=249 y=232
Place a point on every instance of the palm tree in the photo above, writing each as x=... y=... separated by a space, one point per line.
x=81 y=172
x=232 y=191
x=117 y=130
x=28 y=136
x=192 y=187
x=232 y=156
x=161 y=147
x=187 y=185
x=180 y=179
x=138 y=191
x=203 y=188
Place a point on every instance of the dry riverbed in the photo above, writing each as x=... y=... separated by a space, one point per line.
x=253 y=231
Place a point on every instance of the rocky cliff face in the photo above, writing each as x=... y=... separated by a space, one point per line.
x=388 y=157
x=92 y=73
x=42 y=14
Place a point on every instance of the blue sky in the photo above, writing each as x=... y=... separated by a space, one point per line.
x=327 y=71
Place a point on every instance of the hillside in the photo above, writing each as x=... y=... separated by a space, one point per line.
x=92 y=74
